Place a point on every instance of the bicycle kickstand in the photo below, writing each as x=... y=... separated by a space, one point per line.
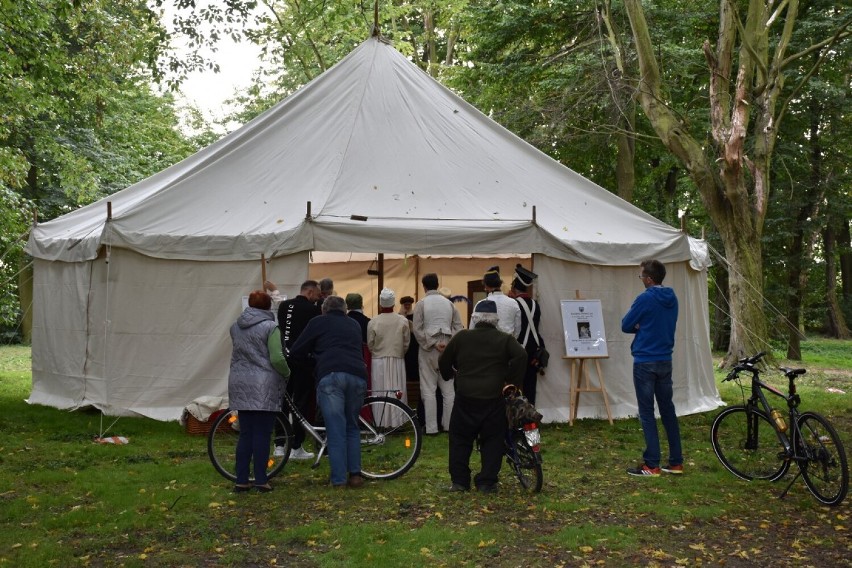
x=789 y=485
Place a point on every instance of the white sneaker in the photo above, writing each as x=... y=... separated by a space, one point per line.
x=279 y=451
x=301 y=454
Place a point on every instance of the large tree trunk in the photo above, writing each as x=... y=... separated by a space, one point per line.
x=733 y=187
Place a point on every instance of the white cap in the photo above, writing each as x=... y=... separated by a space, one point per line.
x=387 y=298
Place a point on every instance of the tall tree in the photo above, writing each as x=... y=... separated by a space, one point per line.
x=747 y=72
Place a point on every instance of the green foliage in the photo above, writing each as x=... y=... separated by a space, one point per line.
x=157 y=500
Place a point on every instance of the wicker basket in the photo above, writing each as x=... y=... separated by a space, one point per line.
x=195 y=427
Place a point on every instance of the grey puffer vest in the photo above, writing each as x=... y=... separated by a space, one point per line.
x=253 y=384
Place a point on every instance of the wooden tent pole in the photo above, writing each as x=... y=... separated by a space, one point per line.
x=380 y=264
x=263 y=272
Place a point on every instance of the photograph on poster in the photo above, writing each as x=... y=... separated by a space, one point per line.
x=583 y=327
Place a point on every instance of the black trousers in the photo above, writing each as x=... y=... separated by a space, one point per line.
x=301 y=387
x=472 y=419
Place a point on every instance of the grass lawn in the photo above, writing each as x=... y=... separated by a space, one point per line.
x=66 y=501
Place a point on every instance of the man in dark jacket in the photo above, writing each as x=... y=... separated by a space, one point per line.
x=482 y=360
x=653 y=318
x=334 y=341
x=293 y=317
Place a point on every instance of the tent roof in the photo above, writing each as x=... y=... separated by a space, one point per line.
x=375 y=137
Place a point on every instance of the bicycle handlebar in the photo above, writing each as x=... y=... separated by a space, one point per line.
x=745 y=364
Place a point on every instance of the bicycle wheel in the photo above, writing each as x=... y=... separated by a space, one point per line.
x=825 y=470
x=222 y=445
x=525 y=463
x=390 y=438
x=747 y=445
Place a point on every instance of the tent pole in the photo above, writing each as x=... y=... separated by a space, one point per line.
x=381 y=280
x=262 y=271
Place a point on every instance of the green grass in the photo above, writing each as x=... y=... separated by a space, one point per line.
x=66 y=501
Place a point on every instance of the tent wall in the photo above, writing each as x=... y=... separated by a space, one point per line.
x=138 y=334
x=616 y=287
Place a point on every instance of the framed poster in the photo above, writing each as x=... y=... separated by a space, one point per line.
x=583 y=328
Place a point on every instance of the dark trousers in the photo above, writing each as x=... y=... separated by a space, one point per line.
x=530 y=382
x=472 y=419
x=253 y=445
x=300 y=387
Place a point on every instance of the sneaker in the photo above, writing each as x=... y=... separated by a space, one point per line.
x=355 y=481
x=674 y=469
x=458 y=488
x=280 y=451
x=487 y=488
x=644 y=470
x=301 y=454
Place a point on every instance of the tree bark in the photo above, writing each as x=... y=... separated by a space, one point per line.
x=625 y=105
x=734 y=192
x=844 y=243
x=836 y=322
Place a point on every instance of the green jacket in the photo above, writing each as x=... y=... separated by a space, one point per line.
x=483 y=360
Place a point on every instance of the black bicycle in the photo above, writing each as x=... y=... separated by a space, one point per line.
x=756 y=441
x=391 y=438
x=523 y=443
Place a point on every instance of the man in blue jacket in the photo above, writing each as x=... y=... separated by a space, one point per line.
x=653 y=318
x=334 y=342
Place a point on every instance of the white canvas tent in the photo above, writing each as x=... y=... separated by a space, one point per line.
x=133 y=298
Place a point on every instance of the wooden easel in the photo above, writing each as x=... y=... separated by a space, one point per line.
x=580 y=381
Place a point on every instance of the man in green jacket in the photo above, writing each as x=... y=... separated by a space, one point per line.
x=482 y=360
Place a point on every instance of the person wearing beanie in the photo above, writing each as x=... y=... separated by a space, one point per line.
x=508 y=311
x=436 y=320
x=482 y=360
x=388 y=337
x=529 y=337
x=406 y=309
x=355 y=307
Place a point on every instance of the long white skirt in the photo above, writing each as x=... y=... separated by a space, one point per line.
x=388 y=374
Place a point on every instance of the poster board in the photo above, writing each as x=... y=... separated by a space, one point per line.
x=583 y=329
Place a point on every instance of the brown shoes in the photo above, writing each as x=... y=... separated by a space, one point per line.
x=355 y=480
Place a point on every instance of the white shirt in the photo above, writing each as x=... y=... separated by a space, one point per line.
x=508 y=313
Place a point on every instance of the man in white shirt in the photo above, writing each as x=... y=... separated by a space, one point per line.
x=435 y=322
x=508 y=310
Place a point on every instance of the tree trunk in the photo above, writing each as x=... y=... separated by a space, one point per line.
x=721 y=319
x=625 y=106
x=734 y=192
x=844 y=243
x=25 y=296
x=836 y=322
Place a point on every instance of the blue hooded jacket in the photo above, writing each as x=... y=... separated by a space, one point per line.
x=653 y=318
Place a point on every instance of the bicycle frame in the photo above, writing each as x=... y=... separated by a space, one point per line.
x=757 y=395
x=318 y=432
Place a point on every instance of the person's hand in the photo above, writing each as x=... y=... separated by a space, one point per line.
x=440 y=347
x=269 y=286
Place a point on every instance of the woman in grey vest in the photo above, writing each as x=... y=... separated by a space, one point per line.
x=256 y=385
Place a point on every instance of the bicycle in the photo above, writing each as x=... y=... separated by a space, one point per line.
x=391 y=438
x=523 y=441
x=746 y=438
